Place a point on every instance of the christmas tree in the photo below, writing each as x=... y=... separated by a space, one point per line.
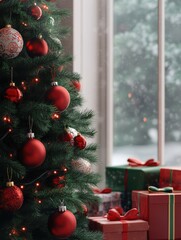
x=45 y=158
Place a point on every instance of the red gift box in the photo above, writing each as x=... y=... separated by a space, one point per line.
x=170 y=176
x=162 y=211
x=119 y=230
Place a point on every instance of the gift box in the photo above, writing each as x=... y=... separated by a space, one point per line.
x=128 y=178
x=162 y=211
x=107 y=201
x=170 y=176
x=119 y=230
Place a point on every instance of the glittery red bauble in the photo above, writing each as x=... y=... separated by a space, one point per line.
x=11 y=198
x=59 y=96
x=13 y=94
x=76 y=84
x=35 y=11
x=66 y=136
x=37 y=47
x=80 y=141
x=33 y=153
x=62 y=224
x=11 y=42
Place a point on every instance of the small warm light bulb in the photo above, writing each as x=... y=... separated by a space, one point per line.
x=130 y=95
x=55 y=172
x=13 y=232
x=65 y=169
x=35 y=80
x=22 y=187
x=10 y=130
x=10 y=155
x=24 y=24
x=23 y=229
x=23 y=85
x=6 y=119
x=44 y=6
x=39 y=201
x=55 y=116
x=145 y=119
x=37 y=184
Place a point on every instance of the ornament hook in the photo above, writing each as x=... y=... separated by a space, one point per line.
x=9 y=174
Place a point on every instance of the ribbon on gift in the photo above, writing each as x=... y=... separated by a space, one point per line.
x=165 y=189
x=114 y=215
x=171 y=217
x=99 y=191
x=133 y=162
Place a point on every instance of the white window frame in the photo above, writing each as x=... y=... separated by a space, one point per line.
x=93 y=59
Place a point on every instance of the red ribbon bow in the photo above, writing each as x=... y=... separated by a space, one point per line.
x=114 y=215
x=136 y=162
x=105 y=190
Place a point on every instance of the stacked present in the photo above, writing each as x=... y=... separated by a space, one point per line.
x=116 y=226
x=135 y=176
x=108 y=199
x=152 y=190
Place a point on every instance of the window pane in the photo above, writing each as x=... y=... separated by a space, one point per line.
x=135 y=80
x=173 y=82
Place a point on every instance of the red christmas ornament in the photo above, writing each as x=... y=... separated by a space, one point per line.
x=76 y=84
x=13 y=93
x=35 y=11
x=67 y=136
x=56 y=181
x=33 y=152
x=80 y=141
x=62 y=223
x=59 y=96
x=37 y=47
x=11 y=197
x=11 y=42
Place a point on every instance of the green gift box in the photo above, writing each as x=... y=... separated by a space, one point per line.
x=127 y=178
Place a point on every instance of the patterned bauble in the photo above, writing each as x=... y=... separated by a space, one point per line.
x=13 y=93
x=81 y=165
x=11 y=42
x=35 y=11
x=11 y=197
x=80 y=141
x=33 y=152
x=58 y=96
x=37 y=47
x=62 y=223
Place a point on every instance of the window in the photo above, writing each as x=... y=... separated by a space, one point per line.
x=135 y=79
x=135 y=85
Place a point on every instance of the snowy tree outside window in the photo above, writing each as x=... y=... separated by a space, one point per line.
x=135 y=80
